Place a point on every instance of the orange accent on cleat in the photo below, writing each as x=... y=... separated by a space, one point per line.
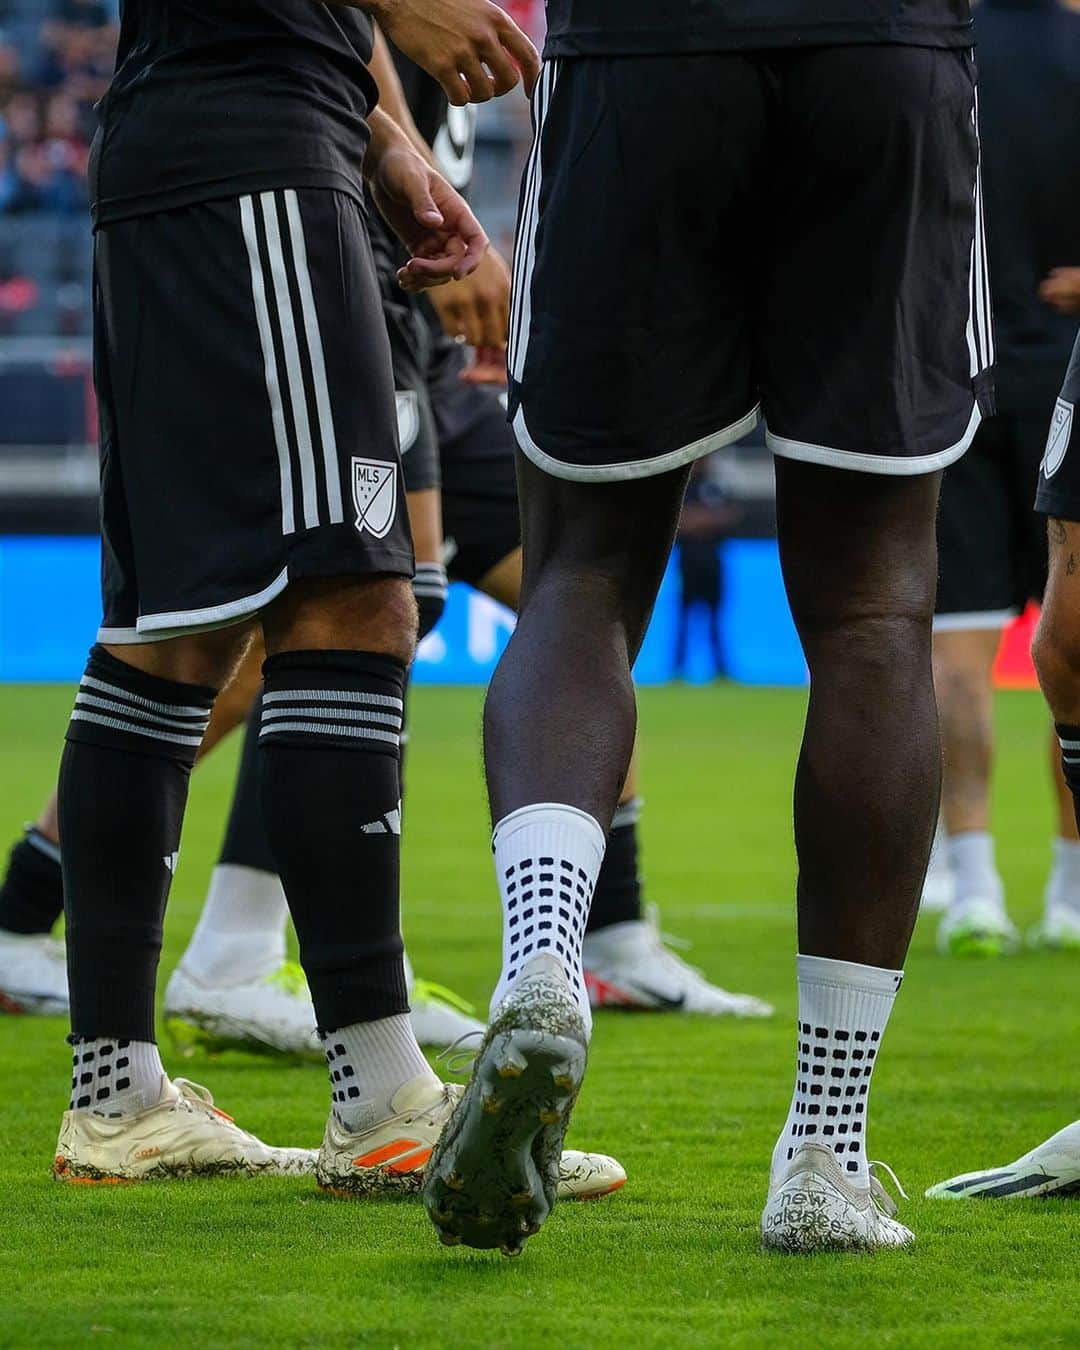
x=398 y=1149
x=411 y=1164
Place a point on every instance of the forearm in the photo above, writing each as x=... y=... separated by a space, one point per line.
x=386 y=137
x=392 y=96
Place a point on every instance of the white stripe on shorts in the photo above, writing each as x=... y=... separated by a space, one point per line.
x=525 y=245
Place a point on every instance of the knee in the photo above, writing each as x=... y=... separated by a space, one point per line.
x=204 y=659
x=1056 y=653
x=368 y=614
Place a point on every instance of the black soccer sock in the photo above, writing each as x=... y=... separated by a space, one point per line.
x=124 y=776
x=331 y=796
x=245 y=843
x=1069 y=737
x=32 y=893
x=617 y=898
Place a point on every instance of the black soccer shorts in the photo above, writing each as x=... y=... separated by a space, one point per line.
x=1058 y=493
x=248 y=430
x=991 y=545
x=707 y=239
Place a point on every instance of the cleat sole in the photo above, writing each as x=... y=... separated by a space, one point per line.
x=492 y=1179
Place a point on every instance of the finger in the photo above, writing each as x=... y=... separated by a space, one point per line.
x=453 y=85
x=410 y=279
x=521 y=49
x=504 y=74
x=471 y=70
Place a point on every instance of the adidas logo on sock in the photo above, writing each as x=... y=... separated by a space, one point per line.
x=390 y=823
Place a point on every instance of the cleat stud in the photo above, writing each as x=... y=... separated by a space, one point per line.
x=522 y=1198
x=549 y=1117
x=564 y=1081
x=510 y=1070
x=510 y=1249
x=492 y=1105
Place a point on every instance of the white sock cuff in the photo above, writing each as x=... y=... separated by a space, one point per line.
x=972 y=845
x=549 y=815
x=1065 y=850
x=824 y=970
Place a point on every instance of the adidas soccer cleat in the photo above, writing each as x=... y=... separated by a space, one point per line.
x=629 y=966
x=1051 y=1169
x=271 y=1015
x=389 y=1159
x=438 y=1015
x=493 y=1176
x=1058 y=929
x=814 y=1207
x=978 y=926
x=183 y=1135
x=33 y=975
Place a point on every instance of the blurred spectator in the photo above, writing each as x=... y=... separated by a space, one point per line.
x=708 y=517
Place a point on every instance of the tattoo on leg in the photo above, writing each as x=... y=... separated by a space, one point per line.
x=1070 y=566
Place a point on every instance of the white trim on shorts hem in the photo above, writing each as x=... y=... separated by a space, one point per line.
x=640 y=468
x=972 y=621
x=158 y=627
x=896 y=465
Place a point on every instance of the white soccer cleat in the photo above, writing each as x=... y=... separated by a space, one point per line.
x=1051 y=1169
x=939 y=888
x=1058 y=929
x=390 y=1157
x=183 y=1135
x=439 y=1017
x=33 y=975
x=272 y=1014
x=978 y=926
x=588 y=1176
x=814 y=1207
x=630 y=965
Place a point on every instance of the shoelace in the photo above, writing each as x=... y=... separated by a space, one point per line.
x=450 y=1094
x=879 y=1194
x=194 y=1096
x=457 y=1057
x=290 y=978
x=665 y=942
x=424 y=991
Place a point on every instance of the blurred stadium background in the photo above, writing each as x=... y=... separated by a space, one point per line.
x=721 y=610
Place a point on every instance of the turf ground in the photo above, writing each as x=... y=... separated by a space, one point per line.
x=980 y=1064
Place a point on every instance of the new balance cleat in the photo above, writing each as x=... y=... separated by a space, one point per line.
x=493 y=1176
x=389 y=1158
x=272 y=1015
x=1051 y=1169
x=182 y=1135
x=978 y=926
x=33 y=975
x=1058 y=929
x=631 y=966
x=438 y=1015
x=814 y=1207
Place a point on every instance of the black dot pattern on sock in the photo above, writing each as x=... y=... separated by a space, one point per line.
x=833 y=1079
x=547 y=907
x=98 y=1076
x=337 y=1061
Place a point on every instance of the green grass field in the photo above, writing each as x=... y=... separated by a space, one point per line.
x=979 y=1064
